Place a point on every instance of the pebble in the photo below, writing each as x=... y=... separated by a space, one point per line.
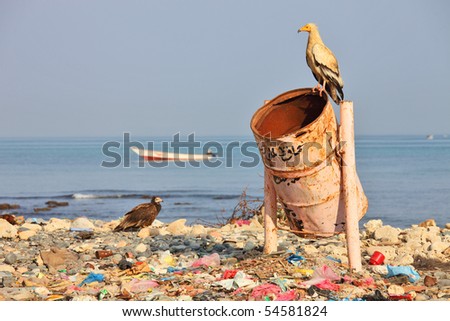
x=141 y=248
x=386 y=234
x=249 y=246
x=10 y=258
x=83 y=223
x=177 y=227
x=7 y=230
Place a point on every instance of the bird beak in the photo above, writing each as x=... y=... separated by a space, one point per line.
x=299 y=30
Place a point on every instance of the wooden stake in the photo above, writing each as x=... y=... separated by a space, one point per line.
x=270 y=215
x=347 y=138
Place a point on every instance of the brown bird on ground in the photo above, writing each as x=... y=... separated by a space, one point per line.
x=140 y=216
x=323 y=64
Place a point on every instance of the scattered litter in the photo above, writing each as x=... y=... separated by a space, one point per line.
x=265 y=290
x=229 y=274
x=327 y=285
x=377 y=258
x=287 y=296
x=407 y=297
x=376 y=296
x=212 y=260
x=329 y=257
x=239 y=281
x=92 y=277
x=295 y=259
x=321 y=274
x=403 y=270
x=242 y=222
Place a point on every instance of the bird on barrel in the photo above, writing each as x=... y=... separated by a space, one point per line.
x=140 y=216
x=323 y=64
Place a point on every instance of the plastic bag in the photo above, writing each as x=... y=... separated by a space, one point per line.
x=403 y=270
x=321 y=274
x=208 y=260
x=92 y=277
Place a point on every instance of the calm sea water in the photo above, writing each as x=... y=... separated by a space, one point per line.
x=406 y=179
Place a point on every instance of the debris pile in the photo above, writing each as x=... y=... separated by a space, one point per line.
x=84 y=260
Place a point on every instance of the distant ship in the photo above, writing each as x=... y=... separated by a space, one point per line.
x=430 y=137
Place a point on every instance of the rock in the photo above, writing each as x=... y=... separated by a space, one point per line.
x=6 y=206
x=7 y=230
x=41 y=209
x=25 y=235
x=177 y=227
x=144 y=232
x=7 y=268
x=140 y=248
x=422 y=297
x=57 y=224
x=84 y=247
x=447 y=226
x=82 y=222
x=446 y=252
x=121 y=243
x=396 y=290
x=10 y=258
x=386 y=234
x=198 y=230
x=33 y=227
x=443 y=282
x=249 y=245
x=427 y=223
x=12 y=219
x=116 y=258
x=52 y=204
x=404 y=259
x=310 y=249
x=439 y=246
x=429 y=281
x=373 y=225
x=215 y=235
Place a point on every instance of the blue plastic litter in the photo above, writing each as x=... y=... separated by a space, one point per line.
x=293 y=258
x=403 y=270
x=329 y=257
x=171 y=269
x=92 y=277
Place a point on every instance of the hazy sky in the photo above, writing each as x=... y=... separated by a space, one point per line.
x=89 y=68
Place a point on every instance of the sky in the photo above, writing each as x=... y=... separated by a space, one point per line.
x=155 y=68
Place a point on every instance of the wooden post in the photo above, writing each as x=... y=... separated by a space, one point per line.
x=270 y=215
x=347 y=138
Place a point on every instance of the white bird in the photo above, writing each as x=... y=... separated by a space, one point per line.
x=323 y=64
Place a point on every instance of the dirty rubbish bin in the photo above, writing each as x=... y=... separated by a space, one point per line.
x=297 y=136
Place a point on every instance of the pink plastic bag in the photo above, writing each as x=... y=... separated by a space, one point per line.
x=287 y=296
x=139 y=286
x=321 y=274
x=263 y=290
x=208 y=260
x=327 y=285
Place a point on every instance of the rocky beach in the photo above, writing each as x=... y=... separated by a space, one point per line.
x=83 y=260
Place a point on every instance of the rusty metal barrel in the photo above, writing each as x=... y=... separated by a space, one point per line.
x=298 y=138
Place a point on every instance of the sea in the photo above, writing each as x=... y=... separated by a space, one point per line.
x=406 y=178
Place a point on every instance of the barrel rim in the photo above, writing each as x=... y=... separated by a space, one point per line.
x=286 y=95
